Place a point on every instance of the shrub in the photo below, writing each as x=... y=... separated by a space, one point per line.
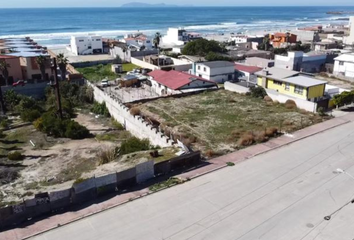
x=257 y=92
x=75 y=131
x=276 y=102
x=290 y=104
x=101 y=109
x=321 y=111
x=135 y=111
x=5 y=124
x=271 y=132
x=134 y=144
x=287 y=122
x=246 y=139
x=38 y=124
x=230 y=164
x=15 y=156
x=30 y=115
x=209 y=153
x=107 y=156
x=268 y=99
x=260 y=137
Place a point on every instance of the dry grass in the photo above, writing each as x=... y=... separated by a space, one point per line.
x=290 y=104
x=107 y=155
x=135 y=111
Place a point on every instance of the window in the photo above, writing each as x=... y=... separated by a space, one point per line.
x=198 y=67
x=147 y=41
x=341 y=63
x=98 y=40
x=277 y=82
x=204 y=69
x=287 y=86
x=298 y=90
x=81 y=40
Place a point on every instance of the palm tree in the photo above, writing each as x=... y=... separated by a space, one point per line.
x=266 y=42
x=4 y=69
x=157 y=39
x=62 y=63
x=42 y=62
x=5 y=72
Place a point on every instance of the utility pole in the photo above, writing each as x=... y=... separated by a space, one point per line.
x=56 y=86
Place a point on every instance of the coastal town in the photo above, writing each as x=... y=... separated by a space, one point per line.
x=105 y=117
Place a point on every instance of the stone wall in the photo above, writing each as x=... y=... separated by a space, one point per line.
x=134 y=124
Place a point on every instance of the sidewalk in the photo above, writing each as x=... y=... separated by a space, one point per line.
x=215 y=164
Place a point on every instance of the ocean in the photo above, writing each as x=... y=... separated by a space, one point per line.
x=56 y=26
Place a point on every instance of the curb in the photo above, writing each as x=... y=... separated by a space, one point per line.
x=193 y=177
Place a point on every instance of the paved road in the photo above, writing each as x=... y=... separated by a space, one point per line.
x=283 y=194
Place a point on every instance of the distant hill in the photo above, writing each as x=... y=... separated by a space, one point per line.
x=146 y=5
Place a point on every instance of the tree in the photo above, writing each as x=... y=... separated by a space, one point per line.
x=4 y=69
x=265 y=45
x=212 y=56
x=42 y=62
x=62 y=63
x=5 y=72
x=157 y=39
x=201 y=47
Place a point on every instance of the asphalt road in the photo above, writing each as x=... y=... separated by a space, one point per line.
x=283 y=194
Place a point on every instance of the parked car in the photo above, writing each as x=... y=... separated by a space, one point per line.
x=19 y=83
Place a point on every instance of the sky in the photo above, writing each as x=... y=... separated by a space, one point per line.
x=117 y=3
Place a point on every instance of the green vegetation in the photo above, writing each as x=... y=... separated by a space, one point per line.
x=202 y=47
x=216 y=120
x=344 y=98
x=230 y=164
x=165 y=184
x=127 y=67
x=100 y=108
x=15 y=156
x=212 y=56
x=97 y=73
x=258 y=92
x=134 y=144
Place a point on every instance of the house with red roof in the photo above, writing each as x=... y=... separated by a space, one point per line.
x=246 y=72
x=175 y=82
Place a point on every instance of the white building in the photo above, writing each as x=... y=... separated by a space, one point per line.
x=138 y=40
x=350 y=39
x=175 y=36
x=299 y=61
x=86 y=45
x=344 y=65
x=217 y=71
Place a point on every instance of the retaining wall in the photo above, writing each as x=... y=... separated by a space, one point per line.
x=89 y=189
x=134 y=124
x=233 y=87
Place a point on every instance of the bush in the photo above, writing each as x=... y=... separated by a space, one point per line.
x=15 y=156
x=271 y=132
x=5 y=124
x=246 y=139
x=257 y=92
x=75 y=131
x=260 y=137
x=209 y=153
x=321 y=111
x=134 y=144
x=101 y=109
x=135 y=111
x=107 y=156
x=30 y=115
x=290 y=104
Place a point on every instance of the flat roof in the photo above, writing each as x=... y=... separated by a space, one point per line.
x=217 y=64
x=277 y=73
x=27 y=54
x=345 y=57
x=304 y=81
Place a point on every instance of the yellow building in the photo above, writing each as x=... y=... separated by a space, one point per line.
x=291 y=83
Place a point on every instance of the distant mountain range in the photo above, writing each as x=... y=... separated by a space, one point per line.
x=148 y=5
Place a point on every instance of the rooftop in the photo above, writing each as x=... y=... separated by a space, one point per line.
x=27 y=54
x=349 y=57
x=174 y=79
x=218 y=64
x=277 y=73
x=304 y=81
x=246 y=68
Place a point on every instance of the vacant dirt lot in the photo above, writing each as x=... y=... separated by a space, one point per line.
x=215 y=121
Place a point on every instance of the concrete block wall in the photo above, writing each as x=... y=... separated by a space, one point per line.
x=235 y=88
x=134 y=124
